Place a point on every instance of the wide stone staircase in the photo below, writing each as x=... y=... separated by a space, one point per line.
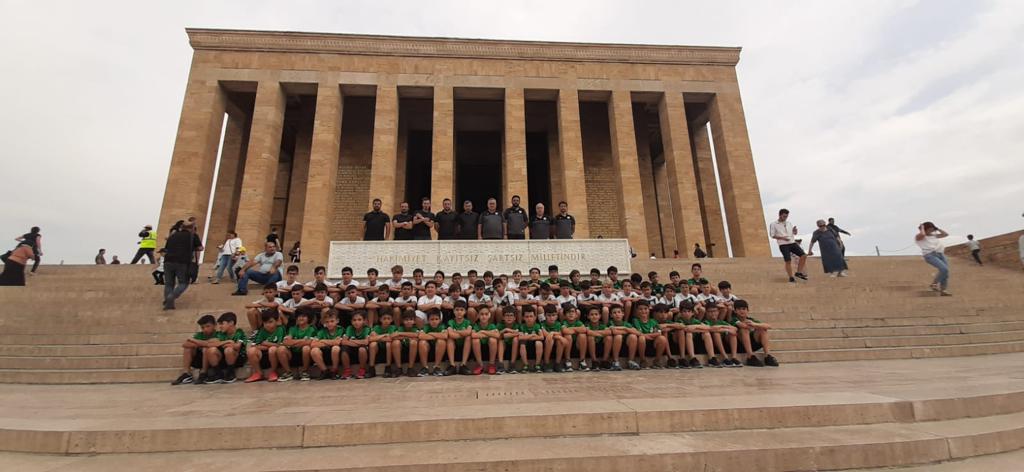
x=89 y=324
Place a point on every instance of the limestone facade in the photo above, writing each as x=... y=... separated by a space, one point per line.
x=320 y=124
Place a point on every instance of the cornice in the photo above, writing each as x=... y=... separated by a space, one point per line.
x=372 y=45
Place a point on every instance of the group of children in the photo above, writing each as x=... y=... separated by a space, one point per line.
x=496 y=324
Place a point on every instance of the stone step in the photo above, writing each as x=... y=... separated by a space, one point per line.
x=883 y=322
x=91 y=362
x=87 y=376
x=897 y=341
x=1000 y=461
x=833 y=355
x=966 y=328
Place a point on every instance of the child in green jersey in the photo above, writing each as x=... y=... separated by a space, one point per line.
x=694 y=326
x=355 y=342
x=598 y=338
x=227 y=353
x=554 y=342
x=753 y=334
x=531 y=341
x=328 y=345
x=651 y=342
x=673 y=331
x=621 y=330
x=485 y=336
x=575 y=334
x=433 y=340
x=382 y=345
x=262 y=353
x=509 y=334
x=299 y=341
x=192 y=351
x=718 y=328
x=459 y=330
x=407 y=336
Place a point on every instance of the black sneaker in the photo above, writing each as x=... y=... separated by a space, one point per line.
x=325 y=375
x=411 y=372
x=229 y=375
x=437 y=372
x=499 y=369
x=695 y=363
x=557 y=368
x=451 y=370
x=464 y=370
x=713 y=362
x=546 y=368
x=202 y=379
x=371 y=372
x=423 y=372
x=671 y=363
x=735 y=362
x=801 y=275
x=753 y=361
x=726 y=362
x=215 y=377
x=387 y=372
x=537 y=369
x=770 y=361
x=683 y=363
x=239 y=293
x=792 y=280
x=185 y=378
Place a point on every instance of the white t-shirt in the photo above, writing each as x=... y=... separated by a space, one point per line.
x=286 y=286
x=348 y=301
x=262 y=300
x=974 y=245
x=452 y=298
x=378 y=300
x=395 y=285
x=585 y=298
x=425 y=300
x=344 y=285
x=566 y=299
x=291 y=303
x=405 y=300
x=671 y=302
x=689 y=297
x=507 y=299
x=328 y=300
x=614 y=297
x=930 y=244
x=483 y=299
x=230 y=246
x=782 y=228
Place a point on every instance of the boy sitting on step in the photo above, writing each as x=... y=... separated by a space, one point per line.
x=753 y=335
x=651 y=342
x=356 y=345
x=718 y=328
x=382 y=345
x=262 y=353
x=531 y=342
x=299 y=341
x=508 y=331
x=433 y=339
x=327 y=346
x=460 y=329
x=487 y=348
x=269 y=301
x=229 y=352
x=555 y=344
x=407 y=336
x=192 y=351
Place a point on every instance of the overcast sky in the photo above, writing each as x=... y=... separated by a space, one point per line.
x=882 y=114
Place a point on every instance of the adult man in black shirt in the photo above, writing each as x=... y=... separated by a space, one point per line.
x=516 y=220
x=565 y=224
x=467 y=221
x=376 y=224
x=181 y=247
x=540 y=224
x=446 y=223
x=492 y=224
x=403 y=223
x=423 y=221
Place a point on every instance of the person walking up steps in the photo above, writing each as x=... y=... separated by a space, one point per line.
x=784 y=233
x=181 y=248
x=975 y=247
x=831 y=250
x=927 y=238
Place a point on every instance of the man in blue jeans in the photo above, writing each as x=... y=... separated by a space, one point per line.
x=181 y=246
x=263 y=269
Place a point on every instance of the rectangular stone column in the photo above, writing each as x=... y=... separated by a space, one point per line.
x=513 y=174
x=740 y=193
x=261 y=165
x=554 y=167
x=714 y=227
x=232 y=160
x=682 y=186
x=648 y=187
x=626 y=166
x=297 y=187
x=442 y=152
x=665 y=218
x=323 y=158
x=385 y=146
x=570 y=147
x=195 y=155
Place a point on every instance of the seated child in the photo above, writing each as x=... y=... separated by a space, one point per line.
x=554 y=342
x=477 y=299
x=269 y=301
x=429 y=301
x=408 y=337
x=544 y=299
x=486 y=336
x=287 y=309
x=719 y=327
x=349 y=304
x=508 y=331
x=433 y=341
x=598 y=338
x=319 y=304
x=459 y=330
x=751 y=343
x=192 y=351
x=328 y=346
x=575 y=333
x=651 y=342
x=531 y=342
x=501 y=298
x=608 y=299
x=263 y=352
x=622 y=330
x=338 y=290
x=564 y=296
x=299 y=341
x=291 y=278
x=726 y=299
x=228 y=353
x=158 y=274
x=380 y=338
x=406 y=300
x=382 y=303
x=355 y=344
x=319 y=278
x=669 y=299
x=371 y=285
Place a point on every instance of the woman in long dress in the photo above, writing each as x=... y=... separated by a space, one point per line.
x=831 y=252
x=14 y=267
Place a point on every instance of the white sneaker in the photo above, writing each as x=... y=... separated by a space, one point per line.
x=833 y=274
x=843 y=273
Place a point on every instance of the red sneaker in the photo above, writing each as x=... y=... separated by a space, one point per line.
x=361 y=374
x=255 y=377
x=272 y=377
x=346 y=373
x=478 y=370
x=491 y=370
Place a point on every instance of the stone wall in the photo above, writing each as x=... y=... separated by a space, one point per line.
x=603 y=192
x=1001 y=250
x=351 y=195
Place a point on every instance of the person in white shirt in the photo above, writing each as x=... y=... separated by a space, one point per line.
x=608 y=299
x=442 y=287
x=975 y=248
x=225 y=256
x=321 y=302
x=586 y=298
x=396 y=280
x=429 y=301
x=501 y=297
x=382 y=303
x=784 y=234
x=406 y=299
x=346 y=280
x=927 y=238
x=348 y=305
x=269 y=301
x=565 y=296
x=477 y=300
x=291 y=277
x=287 y=309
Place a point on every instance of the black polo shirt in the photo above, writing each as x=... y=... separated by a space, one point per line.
x=447 y=224
x=375 y=223
x=181 y=247
x=491 y=225
x=467 y=224
x=565 y=226
x=422 y=230
x=540 y=227
x=402 y=234
x=516 y=219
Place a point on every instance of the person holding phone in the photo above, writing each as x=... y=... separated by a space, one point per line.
x=927 y=238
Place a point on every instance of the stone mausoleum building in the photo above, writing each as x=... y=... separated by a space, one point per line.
x=300 y=131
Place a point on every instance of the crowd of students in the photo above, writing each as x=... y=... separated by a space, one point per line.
x=497 y=324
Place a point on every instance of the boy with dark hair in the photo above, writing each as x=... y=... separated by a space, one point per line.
x=509 y=334
x=553 y=279
x=459 y=330
x=382 y=303
x=622 y=330
x=656 y=287
x=595 y=277
x=328 y=345
x=338 y=290
x=565 y=297
x=651 y=342
x=433 y=340
x=262 y=353
x=477 y=299
x=613 y=277
x=407 y=337
x=608 y=300
x=380 y=338
x=486 y=336
x=406 y=300
x=227 y=353
x=695 y=325
x=545 y=299
x=319 y=278
x=675 y=280
x=192 y=351
x=587 y=299
x=753 y=334
x=554 y=342
x=299 y=341
x=669 y=299
x=726 y=299
x=349 y=304
x=319 y=304
x=355 y=344
x=291 y=278
x=671 y=330
x=269 y=301
x=287 y=309
x=501 y=298
x=596 y=339
x=417 y=280
x=396 y=280
x=372 y=284
x=575 y=333
x=429 y=301
x=438 y=279
x=696 y=274
x=488 y=282
x=531 y=342
x=718 y=328
x=471 y=280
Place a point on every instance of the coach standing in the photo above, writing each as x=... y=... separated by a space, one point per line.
x=402 y=222
x=516 y=220
x=467 y=222
x=423 y=221
x=181 y=247
x=783 y=232
x=376 y=224
x=492 y=224
x=446 y=222
x=540 y=224
x=565 y=224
